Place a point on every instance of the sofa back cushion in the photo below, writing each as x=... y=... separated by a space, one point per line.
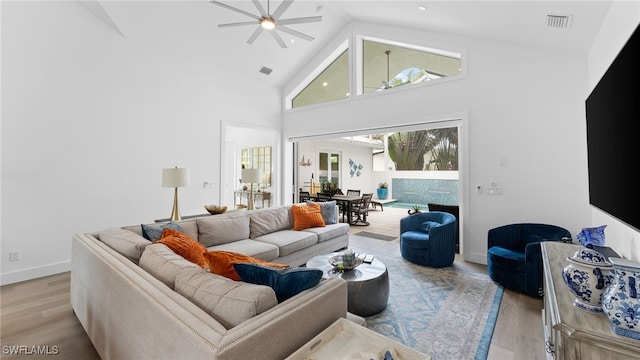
x=266 y=221
x=229 y=302
x=161 y=262
x=222 y=229
x=189 y=227
x=126 y=242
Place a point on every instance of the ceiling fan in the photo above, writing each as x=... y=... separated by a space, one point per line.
x=270 y=21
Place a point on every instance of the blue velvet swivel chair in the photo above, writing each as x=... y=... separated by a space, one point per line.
x=514 y=257
x=429 y=238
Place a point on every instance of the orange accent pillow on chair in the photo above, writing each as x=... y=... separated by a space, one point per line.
x=184 y=245
x=307 y=216
x=221 y=262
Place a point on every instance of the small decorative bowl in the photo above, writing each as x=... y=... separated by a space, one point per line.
x=215 y=209
x=338 y=263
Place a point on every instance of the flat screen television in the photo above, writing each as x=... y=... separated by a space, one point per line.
x=613 y=139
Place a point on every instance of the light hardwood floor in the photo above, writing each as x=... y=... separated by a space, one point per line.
x=38 y=312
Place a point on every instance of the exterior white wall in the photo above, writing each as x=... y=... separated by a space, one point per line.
x=90 y=118
x=524 y=129
x=623 y=18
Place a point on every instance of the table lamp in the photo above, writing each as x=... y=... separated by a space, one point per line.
x=251 y=176
x=175 y=177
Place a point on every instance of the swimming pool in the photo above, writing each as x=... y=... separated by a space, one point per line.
x=403 y=205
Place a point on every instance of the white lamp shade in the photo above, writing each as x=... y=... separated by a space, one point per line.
x=175 y=177
x=253 y=176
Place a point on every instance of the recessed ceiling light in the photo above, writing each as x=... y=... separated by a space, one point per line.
x=292 y=40
x=325 y=83
x=422 y=8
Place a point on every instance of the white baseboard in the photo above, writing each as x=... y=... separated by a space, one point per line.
x=476 y=258
x=34 y=273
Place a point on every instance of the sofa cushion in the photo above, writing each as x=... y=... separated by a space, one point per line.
x=289 y=241
x=265 y=221
x=257 y=249
x=285 y=282
x=329 y=232
x=222 y=229
x=184 y=245
x=221 y=263
x=229 y=302
x=306 y=216
x=328 y=211
x=126 y=242
x=189 y=227
x=161 y=262
x=154 y=232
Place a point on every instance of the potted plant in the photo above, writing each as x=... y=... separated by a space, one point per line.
x=329 y=188
x=414 y=210
x=383 y=190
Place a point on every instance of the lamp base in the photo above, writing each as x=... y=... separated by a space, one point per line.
x=175 y=213
x=250 y=199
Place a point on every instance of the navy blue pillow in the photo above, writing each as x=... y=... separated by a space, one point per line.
x=426 y=225
x=154 y=233
x=284 y=282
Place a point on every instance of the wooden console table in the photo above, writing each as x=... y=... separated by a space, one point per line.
x=571 y=333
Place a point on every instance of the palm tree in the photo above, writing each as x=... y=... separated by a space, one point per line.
x=407 y=149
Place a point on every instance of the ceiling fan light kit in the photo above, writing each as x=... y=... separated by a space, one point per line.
x=270 y=21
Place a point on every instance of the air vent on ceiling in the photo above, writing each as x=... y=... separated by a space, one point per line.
x=265 y=70
x=559 y=21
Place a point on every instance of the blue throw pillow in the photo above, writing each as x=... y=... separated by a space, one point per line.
x=425 y=226
x=154 y=232
x=284 y=282
x=328 y=210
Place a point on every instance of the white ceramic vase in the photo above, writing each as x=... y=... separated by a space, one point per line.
x=621 y=300
x=588 y=276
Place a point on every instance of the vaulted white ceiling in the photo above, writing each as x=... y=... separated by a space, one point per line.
x=196 y=21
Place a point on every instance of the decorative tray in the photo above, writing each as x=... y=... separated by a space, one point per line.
x=336 y=262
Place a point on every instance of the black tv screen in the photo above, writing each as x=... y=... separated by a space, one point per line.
x=613 y=139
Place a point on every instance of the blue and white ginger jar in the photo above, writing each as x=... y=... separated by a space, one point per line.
x=588 y=276
x=621 y=301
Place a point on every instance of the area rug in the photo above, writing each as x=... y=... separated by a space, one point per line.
x=447 y=313
x=376 y=235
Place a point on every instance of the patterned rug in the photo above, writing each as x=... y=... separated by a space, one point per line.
x=447 y=313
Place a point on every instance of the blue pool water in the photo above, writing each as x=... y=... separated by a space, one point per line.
x=403 y=205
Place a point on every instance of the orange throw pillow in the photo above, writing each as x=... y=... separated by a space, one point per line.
x=184 y=245
x=221 y=262
x=306 y=216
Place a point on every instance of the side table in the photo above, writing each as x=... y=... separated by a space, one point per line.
x=367 y=285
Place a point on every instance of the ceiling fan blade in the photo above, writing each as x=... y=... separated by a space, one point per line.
x=239 y=24
x=300 y=20
x=260 y=8
x=235 y=9
x=278 y=39
x=295 y=33
x=255 y=34
x=281 y=9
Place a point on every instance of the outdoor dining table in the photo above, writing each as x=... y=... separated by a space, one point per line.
x=347 y=200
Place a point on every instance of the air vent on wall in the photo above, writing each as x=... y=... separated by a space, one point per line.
x=559 y=21
x=266 y=70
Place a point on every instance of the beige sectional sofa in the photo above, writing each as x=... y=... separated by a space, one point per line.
x=140 y=300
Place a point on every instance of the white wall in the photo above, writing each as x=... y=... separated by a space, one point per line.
x=623 y=18
x=524 y=104
x=359 y=154
x=90 y=118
